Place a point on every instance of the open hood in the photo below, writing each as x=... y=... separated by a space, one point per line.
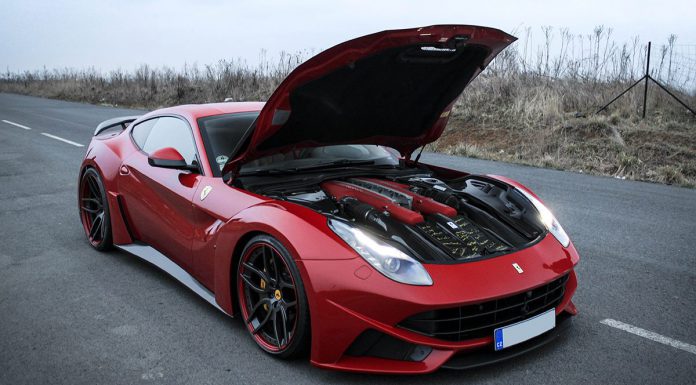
x=393 y=88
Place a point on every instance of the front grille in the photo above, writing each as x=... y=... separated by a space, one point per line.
x=479 y=320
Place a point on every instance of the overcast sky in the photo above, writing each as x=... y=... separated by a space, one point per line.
x=109 y=34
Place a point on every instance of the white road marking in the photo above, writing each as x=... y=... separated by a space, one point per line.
x=17 y=124
x=649 y=335
x=62 y=140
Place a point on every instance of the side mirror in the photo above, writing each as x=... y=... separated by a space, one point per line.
x=169 y=157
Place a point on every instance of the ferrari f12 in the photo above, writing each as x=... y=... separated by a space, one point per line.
x=311 y=219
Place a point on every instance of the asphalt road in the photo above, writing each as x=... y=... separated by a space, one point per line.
x=69 y=314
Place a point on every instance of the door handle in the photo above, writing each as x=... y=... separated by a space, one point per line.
x=124 y=170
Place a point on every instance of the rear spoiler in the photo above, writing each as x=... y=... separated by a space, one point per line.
x=122 y=121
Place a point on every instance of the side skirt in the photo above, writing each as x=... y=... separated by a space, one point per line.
x=154 y=257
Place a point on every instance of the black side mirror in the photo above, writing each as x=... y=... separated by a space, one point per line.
x=169 y=157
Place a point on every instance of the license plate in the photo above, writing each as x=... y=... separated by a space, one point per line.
x=511 y=335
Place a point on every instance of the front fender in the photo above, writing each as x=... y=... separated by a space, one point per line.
x=573 y=252
x=304 y=233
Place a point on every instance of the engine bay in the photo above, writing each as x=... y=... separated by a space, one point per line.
x=463 y=219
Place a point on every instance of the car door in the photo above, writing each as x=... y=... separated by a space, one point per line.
x=157 y=201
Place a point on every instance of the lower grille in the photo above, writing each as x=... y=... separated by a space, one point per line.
x=372 y=343
x=479 y=320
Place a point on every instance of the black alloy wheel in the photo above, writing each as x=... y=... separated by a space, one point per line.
x=272 y=298
x=94 y=210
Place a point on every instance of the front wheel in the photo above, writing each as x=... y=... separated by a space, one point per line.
x=272 y=298
x=94 y=210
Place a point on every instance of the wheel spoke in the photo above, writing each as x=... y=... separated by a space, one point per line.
x=103 y=228
x=264 y=301
x=93 y=200
x=264 y=259
x=262 y=323
x=252 y=286
x=290 y=304
x=286 y=285
x=91 y=210
x=276 y=268
x=284 y=319
x=268 y=260
x=96 y=225
x=275 y=327
x=93 y=187
x=255 y=271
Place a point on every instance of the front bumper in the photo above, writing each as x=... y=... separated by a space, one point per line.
x=348 y=299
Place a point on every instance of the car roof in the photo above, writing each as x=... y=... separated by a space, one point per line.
x=196 y=111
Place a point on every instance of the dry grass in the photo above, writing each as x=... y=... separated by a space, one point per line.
x=149 y=87
x=551 y=123
x=528 y=107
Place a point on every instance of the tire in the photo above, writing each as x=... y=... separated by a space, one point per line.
x=94 y=210
x=268 y=296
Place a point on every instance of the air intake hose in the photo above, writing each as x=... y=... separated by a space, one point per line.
x=443 y=197
x=364 y=213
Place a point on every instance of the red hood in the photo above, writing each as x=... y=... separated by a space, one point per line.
x=393 y=88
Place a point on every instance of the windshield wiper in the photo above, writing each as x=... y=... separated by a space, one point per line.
x=321 y=166
x=267 y=171
x=336 y=164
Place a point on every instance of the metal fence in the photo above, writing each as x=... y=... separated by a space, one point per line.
x=649 y=76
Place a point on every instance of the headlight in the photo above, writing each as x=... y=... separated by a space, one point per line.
x=387 y=259
x=548 y=219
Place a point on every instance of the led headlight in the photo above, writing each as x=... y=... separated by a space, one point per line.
x=548 y=219
x=387 y=259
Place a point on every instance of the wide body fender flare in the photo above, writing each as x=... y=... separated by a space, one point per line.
x=303 y=232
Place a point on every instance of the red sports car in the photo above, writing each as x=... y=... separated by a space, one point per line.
x=311 y=218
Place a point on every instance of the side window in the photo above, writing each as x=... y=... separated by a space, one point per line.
x=141 y=131
x=170 y=132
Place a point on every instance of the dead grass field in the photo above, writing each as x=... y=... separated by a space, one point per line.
x=551 y=123
x=528 y=107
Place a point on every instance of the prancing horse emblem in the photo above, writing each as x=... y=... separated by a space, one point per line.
x=206 y=190
x=518 y=268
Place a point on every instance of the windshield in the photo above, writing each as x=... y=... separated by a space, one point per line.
x=325 y=155
x=223 y=136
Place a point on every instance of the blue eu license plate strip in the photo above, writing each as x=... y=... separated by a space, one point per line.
x=516 y=333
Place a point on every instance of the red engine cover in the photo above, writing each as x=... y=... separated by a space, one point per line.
x=420 y=203
x=339 y=190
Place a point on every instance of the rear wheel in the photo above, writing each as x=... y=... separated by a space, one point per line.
x=272 y=299
x=94 y=210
